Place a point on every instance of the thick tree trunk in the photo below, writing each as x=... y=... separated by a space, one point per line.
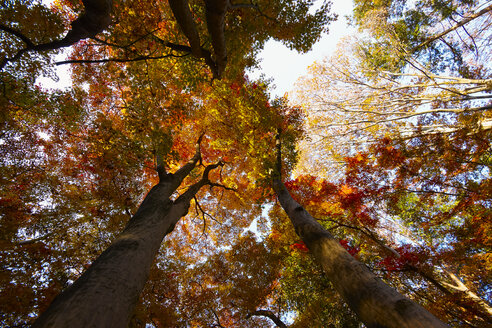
x=182 y=13
x=106 y=294
x=376 y=304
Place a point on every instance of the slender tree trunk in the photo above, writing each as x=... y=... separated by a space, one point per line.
x=106 y=294
x=376 y=304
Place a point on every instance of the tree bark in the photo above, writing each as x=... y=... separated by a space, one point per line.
x=106 y=294
x=376 y=304
x=95 y=18
x=182 y=13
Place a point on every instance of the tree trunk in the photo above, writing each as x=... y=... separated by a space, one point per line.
x=215 y=14
x=376 y=304
x=106 y=294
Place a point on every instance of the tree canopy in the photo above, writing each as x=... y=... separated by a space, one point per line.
x=151 y=184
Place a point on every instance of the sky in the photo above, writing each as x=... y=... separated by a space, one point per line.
x=285 y=66
x=278 y=62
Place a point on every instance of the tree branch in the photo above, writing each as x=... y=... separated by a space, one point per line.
x=95 y=18
x=184 y=17
x=193 y=189
x=463 y=22
x=18 y=34
x=186 y=169
x=114 y=60
x=270 y=315
x=205 y=54
x=278 y=146
x=32 y=241
x=215 y=184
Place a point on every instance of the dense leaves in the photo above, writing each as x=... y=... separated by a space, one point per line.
x=405 y=150
x=411 y=200
x=76 y=163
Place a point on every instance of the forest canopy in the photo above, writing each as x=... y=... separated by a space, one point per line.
x=166 y=188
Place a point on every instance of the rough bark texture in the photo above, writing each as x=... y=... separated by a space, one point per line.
x=106 y=294
x=376 y=304
x=95 y=18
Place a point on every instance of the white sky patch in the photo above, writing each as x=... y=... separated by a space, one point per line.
x=285 y=66
x=62 y=71
x=43 y=135
x=253 y=227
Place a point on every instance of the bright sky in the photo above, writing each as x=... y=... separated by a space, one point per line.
x=284 y=66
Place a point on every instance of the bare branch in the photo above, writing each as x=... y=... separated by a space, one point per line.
x=95 y=18
x=463 y=22
x=214 y=184
x=34 y=240
x=18 y=34
x=114 y=60
x=270 y=315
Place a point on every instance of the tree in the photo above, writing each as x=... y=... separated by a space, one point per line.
x=441 y=181
x=439 y=33
x=375 y=303
x=93 y=163
x=95 y=18
x=100 y=159
x=411 y=142
x=108 y=291
x=77 y=163
x=349 y=107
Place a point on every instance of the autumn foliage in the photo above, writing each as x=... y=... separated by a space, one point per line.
x=399 y=173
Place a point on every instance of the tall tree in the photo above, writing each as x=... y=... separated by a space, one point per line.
x=106 y=294
x=348 y=107
x=76 y=164
x=439 y=33
x=375 y=303
x=413 y=145
x=97 y=149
